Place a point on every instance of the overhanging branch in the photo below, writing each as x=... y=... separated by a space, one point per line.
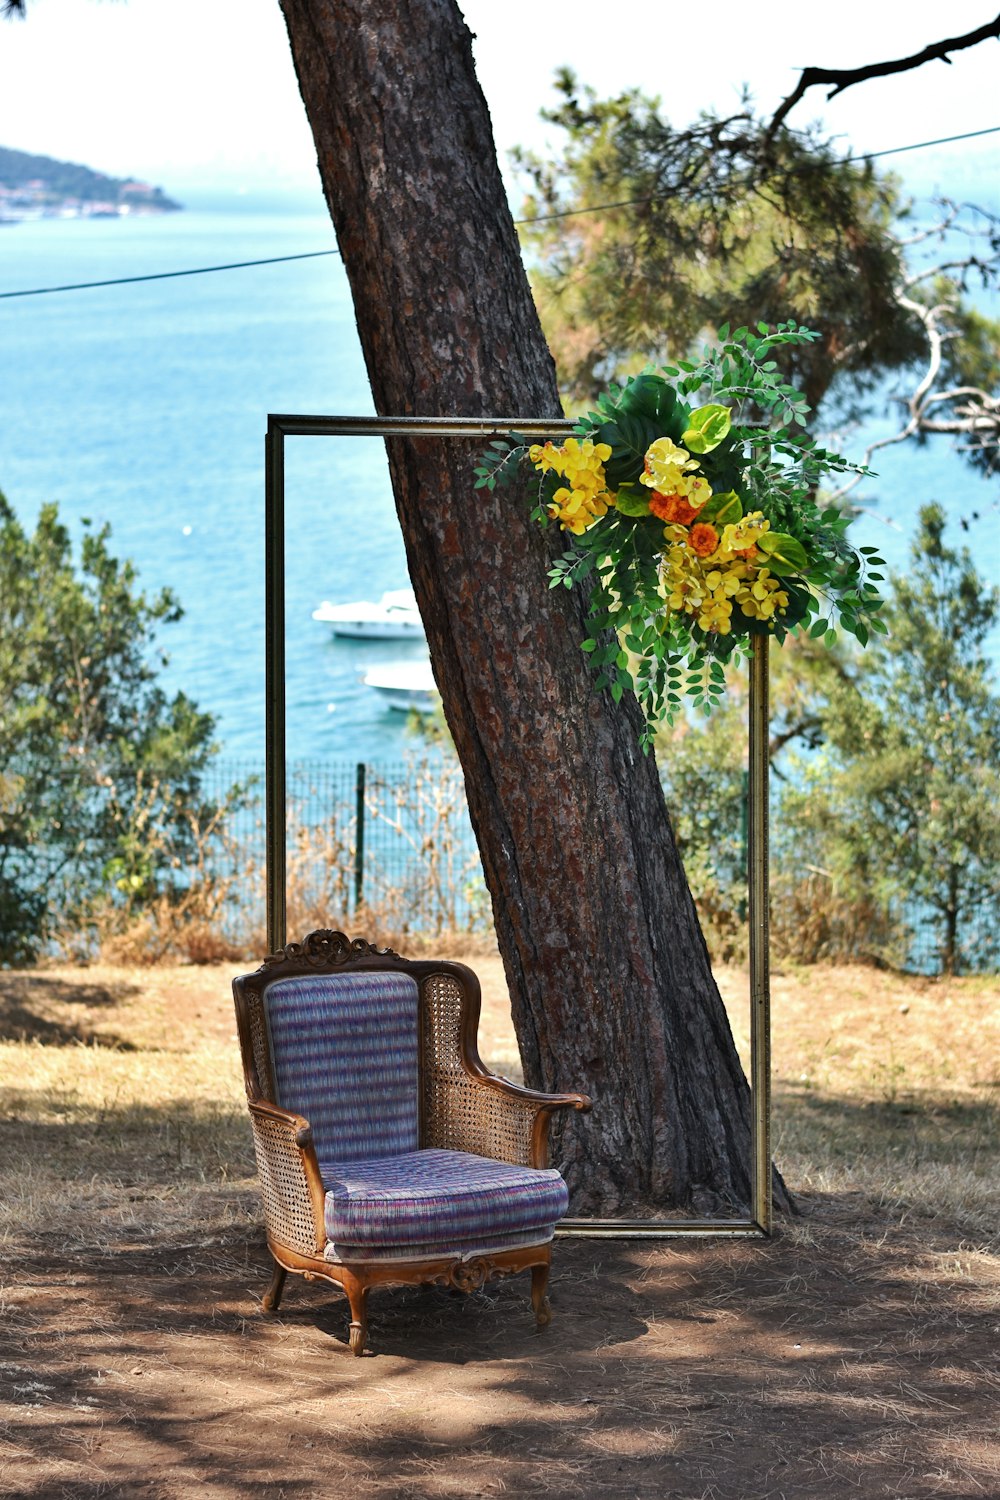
x=844 y=78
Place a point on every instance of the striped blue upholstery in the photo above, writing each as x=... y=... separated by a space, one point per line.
x=344 y=1054
x=444 y=1199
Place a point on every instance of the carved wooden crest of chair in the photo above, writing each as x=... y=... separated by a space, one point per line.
x=386 y=1152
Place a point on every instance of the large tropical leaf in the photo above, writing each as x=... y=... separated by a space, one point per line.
x=628 y=436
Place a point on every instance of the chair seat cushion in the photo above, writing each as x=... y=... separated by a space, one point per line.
x=439 y=1199
x=437 y=1249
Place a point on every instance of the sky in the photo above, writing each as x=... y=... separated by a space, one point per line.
x=200 y=95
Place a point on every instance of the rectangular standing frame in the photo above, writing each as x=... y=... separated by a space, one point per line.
x=486 y=429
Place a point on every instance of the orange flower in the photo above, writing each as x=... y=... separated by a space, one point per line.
x=673 y=508
x=703 y=538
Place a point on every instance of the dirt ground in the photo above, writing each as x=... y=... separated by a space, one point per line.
x=853 y=1354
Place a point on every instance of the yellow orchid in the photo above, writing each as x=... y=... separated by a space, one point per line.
x=587 y=497
x=739 y=535
x=665 y=467
x=716 y=616
x=763 y=597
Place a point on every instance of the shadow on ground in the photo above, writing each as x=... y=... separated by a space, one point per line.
x=38 y=1007
x=844 y=1357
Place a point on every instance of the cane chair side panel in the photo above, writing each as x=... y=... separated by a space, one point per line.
x=289 y=1210
x=459 y=1113
x=251 y=1025
x=258 y=1042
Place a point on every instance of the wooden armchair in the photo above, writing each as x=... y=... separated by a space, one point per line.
x=386 y=1152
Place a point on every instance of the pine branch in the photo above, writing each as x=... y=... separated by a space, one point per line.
x=845 y=78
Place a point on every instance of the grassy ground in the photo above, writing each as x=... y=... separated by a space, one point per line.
x=851 y=1355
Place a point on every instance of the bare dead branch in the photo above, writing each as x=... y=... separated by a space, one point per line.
x=959 y=411
x=845 y=78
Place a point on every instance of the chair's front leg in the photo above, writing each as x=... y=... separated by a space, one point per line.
x=539 y=1301
x=357 y=1296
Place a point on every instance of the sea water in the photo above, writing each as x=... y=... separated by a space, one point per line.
x=145 y=405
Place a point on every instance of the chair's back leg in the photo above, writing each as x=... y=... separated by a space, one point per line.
x=272 y=1297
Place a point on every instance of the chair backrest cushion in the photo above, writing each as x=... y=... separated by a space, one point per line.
x=344 y=1053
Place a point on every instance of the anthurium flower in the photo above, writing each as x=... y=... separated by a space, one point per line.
x=707 y=427
x=723 y=509
x=785 y=554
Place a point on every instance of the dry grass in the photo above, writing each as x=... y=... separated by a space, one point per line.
x=887 y=1086
x=129 y=1081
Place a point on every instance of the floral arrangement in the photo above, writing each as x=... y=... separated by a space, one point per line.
x=697 y=526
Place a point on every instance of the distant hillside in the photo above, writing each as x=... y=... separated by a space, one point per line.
x=34 y=186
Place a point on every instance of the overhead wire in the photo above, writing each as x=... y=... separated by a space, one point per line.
x=569 y=213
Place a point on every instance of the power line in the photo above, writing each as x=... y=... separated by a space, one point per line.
x=943 y=140
x=568 y=213
x=236 y=265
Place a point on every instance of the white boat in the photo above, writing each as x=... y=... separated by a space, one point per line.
x=394 y=618
x=405 y=685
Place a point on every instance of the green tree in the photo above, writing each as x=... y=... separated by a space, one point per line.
x=710 y=224
x=902 y=806
x=100 y=770
x=703 y=763
x=729 y=221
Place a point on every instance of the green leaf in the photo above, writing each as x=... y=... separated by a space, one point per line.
x=628 y=435
x=633 y=500
x=649 y=396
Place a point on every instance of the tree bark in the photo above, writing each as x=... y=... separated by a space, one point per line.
x=610 y=981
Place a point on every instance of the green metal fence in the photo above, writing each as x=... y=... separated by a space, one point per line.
x=394 y=839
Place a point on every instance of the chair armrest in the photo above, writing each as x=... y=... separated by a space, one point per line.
x=470 y=1109
x=539 y=1105
x=291 y=1187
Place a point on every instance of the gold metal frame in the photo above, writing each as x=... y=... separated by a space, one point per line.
x=758 y=1225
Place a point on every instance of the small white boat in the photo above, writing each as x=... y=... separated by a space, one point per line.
x=405 y=685
x=394 y=618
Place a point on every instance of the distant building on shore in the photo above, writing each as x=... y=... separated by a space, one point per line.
x=38 y=187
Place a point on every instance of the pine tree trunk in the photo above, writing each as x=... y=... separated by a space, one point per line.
x=611 y=987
